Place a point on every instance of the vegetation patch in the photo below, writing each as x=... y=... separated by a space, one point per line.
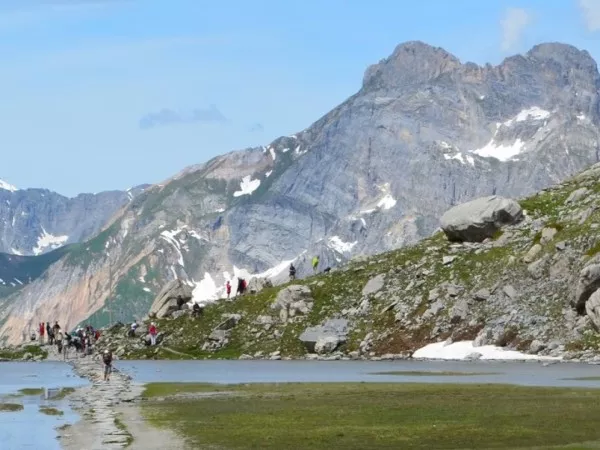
x=10 y=407
x=596 y=378
x=417 y=373
x=121 y=426
x=17 y=354
x=378 y=416
x=63 y=393
x=31 y=391
x=49 y=411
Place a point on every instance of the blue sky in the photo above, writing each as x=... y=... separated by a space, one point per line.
x=106 y=94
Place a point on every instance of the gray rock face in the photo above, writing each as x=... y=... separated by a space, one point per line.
x=479 y=219
x=588 y=283
x=37 y=221
x=374 y=285
x=326 y=337
x=292 y=301
x=172 y=298
x=592 y=309
x=423 y=134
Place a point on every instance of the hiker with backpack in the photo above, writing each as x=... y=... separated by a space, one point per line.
x=315 y=263
x=292 y=272
x=107 y=359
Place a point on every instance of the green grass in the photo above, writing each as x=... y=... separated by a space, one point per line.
x=10 y=407
x=377 y=416
x=31 y=391
x=121 y=426
x=34 y=350
x=416 y=373
x=63 y=393
x=597 y=378
x=49 y=411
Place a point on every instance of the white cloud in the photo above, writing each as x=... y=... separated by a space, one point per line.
x=513 y=24
x=591 y=13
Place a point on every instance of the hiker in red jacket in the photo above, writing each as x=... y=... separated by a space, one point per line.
x=153 y=333
x=228 y=288
x=42 y=330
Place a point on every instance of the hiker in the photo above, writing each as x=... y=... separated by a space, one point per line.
x=49 y=333
x=327 y=270
x=58 y=337
x=42 y=329
x=132 y=329
x=55 y=328
x=107 y=360
x=228 y=289
x=315 y=263
x=292 y=272
x=68 y=344
x=240 y=287
x=196 y=310
x=153 y=333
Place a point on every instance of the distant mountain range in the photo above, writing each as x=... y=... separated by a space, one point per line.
x=425 y=132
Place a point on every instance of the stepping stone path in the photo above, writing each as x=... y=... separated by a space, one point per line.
x=96 y=404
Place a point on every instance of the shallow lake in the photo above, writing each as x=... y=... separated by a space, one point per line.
x=520 y=373
x=29 y=428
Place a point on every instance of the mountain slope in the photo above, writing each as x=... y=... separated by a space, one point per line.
x=35 y=221
x=425 y=132
x=522 y=290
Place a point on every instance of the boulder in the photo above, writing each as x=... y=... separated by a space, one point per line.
x=231 y=320
x=588 y=283
x=374 y=285
x=325 y=338
x=292 y=301
x=258 y=284
x=480 y=219
x=171 y=298
x=592 y=309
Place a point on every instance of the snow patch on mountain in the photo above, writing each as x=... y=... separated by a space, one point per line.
x=533 y=113
x=48 y=241
x=335 y=243
x=169 y=236
x=247 y=186
x=502 y=152
x=465 y=159
x=7 y=186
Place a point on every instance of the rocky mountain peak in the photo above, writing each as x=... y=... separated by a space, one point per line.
x=412 y=62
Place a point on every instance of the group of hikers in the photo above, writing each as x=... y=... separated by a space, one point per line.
x=82 y=339
x=315 y=267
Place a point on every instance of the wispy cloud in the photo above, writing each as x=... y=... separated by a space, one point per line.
x=591 y=13
x=257 y=128
x=513 y=24
x=166 y=117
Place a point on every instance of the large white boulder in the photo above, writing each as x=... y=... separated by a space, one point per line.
x=479 y=219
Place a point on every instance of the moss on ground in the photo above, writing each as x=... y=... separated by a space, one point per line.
x=49 y=411
x=377 y=415
x=17 y=354
x=31 y=391
x=10 y=407
x=64 y=392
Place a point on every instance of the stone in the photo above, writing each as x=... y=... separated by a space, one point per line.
x=587 y=284
x=560 y=246
x=479 y=219
x=532 y=253
x=536 y=269
x=327 y=344
x=592 y=309
x=231 y=320
x=218 y=335
x=547 y=235
x=481 y=295
x=374 y=285
x=446 y=260
x=510 y=292
x=473 y=356
x=180 y=313
x=171 y=298
x=258 y=284
x=536 y=346
x=292 y=301
x=459 y=311
x=576 y=195
x=336 y=329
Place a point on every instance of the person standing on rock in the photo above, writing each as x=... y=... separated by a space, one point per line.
x=228 y=289
x=42 y=329
x=58 y=337
x=315 y=263
x=292 y=272
x=153 y=332
x=107 y=360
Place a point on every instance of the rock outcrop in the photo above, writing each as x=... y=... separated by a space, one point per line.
x=172 y=298
x=480 y=219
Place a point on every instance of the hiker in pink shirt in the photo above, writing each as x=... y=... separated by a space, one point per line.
x=153 y=333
